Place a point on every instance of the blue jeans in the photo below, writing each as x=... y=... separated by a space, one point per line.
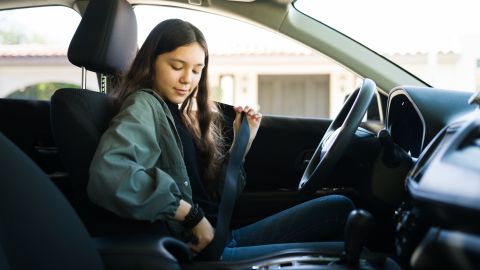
x=321 y=219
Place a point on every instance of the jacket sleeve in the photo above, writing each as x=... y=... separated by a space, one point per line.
x=124 y=177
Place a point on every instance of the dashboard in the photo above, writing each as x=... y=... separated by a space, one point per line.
x=415 y=115
x=448 y=173
x=438 y=224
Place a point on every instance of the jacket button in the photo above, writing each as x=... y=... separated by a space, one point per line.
x=185 y=183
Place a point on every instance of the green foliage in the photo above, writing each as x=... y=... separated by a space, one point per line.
x=13 y=38
x=40 y=91
x=14 y=33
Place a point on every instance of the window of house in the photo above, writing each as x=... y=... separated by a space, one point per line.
x=33 y=52
x=226 y=89
x=254 y=66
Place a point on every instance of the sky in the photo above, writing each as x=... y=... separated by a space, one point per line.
x=217 y=29
x=41 y=21
x=220 y=32
x=402 y=26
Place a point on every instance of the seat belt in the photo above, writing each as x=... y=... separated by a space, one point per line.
x=214 y=250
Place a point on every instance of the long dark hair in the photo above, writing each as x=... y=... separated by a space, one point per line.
x=203 y=120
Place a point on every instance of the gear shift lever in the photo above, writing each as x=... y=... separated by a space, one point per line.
x=357 y=228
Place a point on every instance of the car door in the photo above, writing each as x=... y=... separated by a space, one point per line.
x=275 y=165
x=279 y=155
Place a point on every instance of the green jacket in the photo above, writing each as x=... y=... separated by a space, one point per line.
x=138 y=169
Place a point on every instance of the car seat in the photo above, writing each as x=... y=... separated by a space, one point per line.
x=104 y=42
x=38 y=228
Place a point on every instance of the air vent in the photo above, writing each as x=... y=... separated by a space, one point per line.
x=472 y=140
x=467 y=153
x=426 y=157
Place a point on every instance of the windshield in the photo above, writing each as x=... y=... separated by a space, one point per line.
x=438 y=41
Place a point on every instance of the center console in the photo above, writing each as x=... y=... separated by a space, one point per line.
x=169 y=253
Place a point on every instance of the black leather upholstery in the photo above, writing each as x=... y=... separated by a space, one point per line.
x=106 y=38
x=38 y=228
x=79 y=118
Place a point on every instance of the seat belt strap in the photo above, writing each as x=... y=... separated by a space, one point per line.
x=239 y=147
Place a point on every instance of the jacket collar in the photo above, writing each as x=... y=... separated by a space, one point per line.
x=168 y=114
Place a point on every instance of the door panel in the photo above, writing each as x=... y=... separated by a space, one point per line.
x=27 y=124
x=275 y=165
x=276 y=158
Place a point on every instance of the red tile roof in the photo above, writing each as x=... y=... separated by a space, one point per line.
x=225 y=49
x=15 y=51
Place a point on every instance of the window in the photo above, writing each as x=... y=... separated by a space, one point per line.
x=227 y=89
x=33 y=52
x=435 y=40
x=253 y=66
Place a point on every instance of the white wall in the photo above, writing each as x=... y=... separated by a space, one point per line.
x=25 y=72
x=246 y=69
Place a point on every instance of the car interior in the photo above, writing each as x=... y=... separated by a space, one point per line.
x=414 y=178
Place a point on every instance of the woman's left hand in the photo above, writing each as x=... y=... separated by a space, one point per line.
x=253 y=117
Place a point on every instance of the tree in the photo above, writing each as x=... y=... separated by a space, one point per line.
x=40 y=91
x=15 y=33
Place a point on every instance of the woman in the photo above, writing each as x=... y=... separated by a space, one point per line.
x=163 y=154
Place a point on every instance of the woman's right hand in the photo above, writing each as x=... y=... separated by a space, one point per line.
x=203 y=232
x=253 y=118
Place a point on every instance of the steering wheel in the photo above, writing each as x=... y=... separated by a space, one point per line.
x=336 y=139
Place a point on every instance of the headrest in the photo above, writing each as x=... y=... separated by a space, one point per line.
x=106 y=38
